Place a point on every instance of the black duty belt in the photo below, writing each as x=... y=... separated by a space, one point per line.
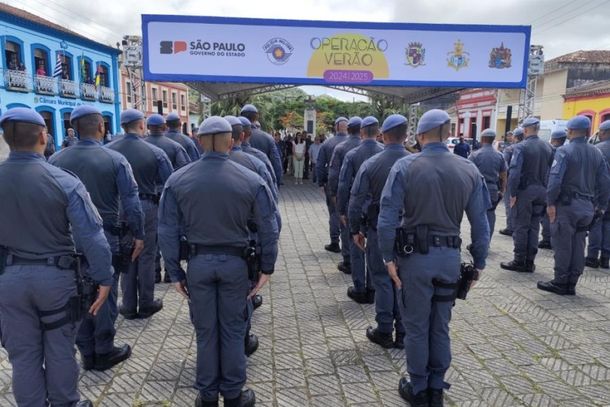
x=149 y=197
x=66 y=262
x=197 y=249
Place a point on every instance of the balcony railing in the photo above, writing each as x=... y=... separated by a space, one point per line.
x=67 y=88
x=87 y=91
x=45 y=85
x=106 y=94
x=16 y=80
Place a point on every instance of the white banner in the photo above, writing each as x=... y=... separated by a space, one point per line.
x=214 y=49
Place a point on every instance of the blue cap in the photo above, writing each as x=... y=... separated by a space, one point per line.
x=22 y=114
x=431 y=120
x=173 y=116
x=558 y=134
x=245 y=122
x=155 y=120
x=131 y=115
x=488 y=133
x=340 y=119
x=83 y=110
x=369 y=121
x=518 y=132
x=233 y=121
x=355 y=121
x=530 y=121
x=579 y=123
x=214 y=125
x=605 y=125
x=392 y=121
x=248 y=108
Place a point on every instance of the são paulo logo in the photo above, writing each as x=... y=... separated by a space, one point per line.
x=278 y=50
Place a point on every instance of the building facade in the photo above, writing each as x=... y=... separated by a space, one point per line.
x=591 y=100
x=146 y=96
x=53 y=70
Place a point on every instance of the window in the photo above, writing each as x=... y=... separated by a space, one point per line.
x=486 y=122
x=13 y=56
x=48 y=119
x=128 y=89
x=182 y=103
x=67 y=125
x=41 y=62
x=86 y=73
x=164 y=98
x=155 y=95
x=461 y=127
x=473 y=127
x=605 y=117
x=174 y=101
x=66 y=67
x=101 y=75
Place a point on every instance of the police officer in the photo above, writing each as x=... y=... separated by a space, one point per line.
x=599 y=235
x=324 y=157
x=46 y=216
x=334 y=169
x=263 y=141
x=151 y=167
x=216 y=225
x=527 y=180
x=109 y=180
x=156 y=136
x=173 y=133
x=248 y=149
x=579 y=186
x=432 y=190
x=362 y=291
x=558 y=139
x=70 y=140
x=517 y=137
x=369 y=182
x=492 y=166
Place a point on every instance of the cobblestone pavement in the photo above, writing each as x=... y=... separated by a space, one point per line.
x=512 y=344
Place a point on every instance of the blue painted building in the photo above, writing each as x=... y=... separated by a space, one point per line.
x=52 y=69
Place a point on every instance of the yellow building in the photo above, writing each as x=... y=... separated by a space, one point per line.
x=592 y=100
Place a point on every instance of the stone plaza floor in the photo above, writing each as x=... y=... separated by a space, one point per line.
x=513 y=345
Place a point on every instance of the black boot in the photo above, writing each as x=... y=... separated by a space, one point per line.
x=345 y=267
x=166 y=278
x=200 y=402
x=506 y=232
x=435 y=396
x=592 y=262
x=399 y=342
x=552 y=287
x=251 y=344
x=84 y=403
x=382 y=339
x=333 y=247
x=515 y=265
x=245 y=399
x=359 y=296
x=87 y=362
x=156 y=306
x=370 y=296
x=114 y=357
x=530 y=267
x=257 y=301
x=406 y=392
x=127 y=313
x=571 y=289
x=545 y=244
x=604 y=262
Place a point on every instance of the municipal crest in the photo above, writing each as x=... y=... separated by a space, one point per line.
x=458 y=58
x=500 y=57
x=415 y=54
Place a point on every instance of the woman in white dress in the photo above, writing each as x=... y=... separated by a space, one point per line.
x=299 y=147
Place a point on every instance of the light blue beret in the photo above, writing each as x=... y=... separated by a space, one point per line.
x=605 y=125
x=340 y=119
x=355 y=121
x=432 y=119
x=83 y=110
x=369 y=121
x=558 y=134
x=488 y=133
x=579 y=123
x=530 y=121
x=245 y=122
x=131 y=115
x=249 y=108
x=214 y=125
x=172 y=117
x=393 y=120
x=155 y=120
x=233 y=121
x=22 y=114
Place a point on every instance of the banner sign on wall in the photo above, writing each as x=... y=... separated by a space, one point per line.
x=216 y=49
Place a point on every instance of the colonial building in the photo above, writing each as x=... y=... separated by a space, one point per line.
x=51 y=69
x=592 y=100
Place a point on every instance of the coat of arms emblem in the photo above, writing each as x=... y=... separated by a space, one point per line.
x=459 y=58
x=500 y=57
x=415 y=54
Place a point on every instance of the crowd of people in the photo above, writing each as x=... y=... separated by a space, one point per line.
x=96 y=217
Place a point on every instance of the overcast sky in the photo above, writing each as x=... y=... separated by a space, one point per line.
x=561 y=26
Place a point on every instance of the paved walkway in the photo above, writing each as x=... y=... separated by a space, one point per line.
x=512 y=344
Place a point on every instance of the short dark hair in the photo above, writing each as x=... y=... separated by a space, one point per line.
x=87 y=125
x=155 y=128
x=398 y=133
x=20 y=135
x=371 y=130
x=133 y=125
x=353 y=130
x=237 y=130
x=250 y=115
x=173 y=124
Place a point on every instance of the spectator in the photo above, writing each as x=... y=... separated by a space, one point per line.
x=21 y=67
x=308 y=144
x=50 y=148
x=299 y=148
x=280 y=145
x=313 y=152
x=41 y=71
x=462 y=148
x=13 y=64
x=70 y=139
x=288 y=156
x=107 y=137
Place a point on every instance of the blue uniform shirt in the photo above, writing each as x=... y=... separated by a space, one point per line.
x=336 y=161
x=529 y=165
x=186 y=142
x=324 y=156
x=248 y=149
x=254 y=164
x=398 y=191
x=490 y=163
x=351 y=164
x=462 y=149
